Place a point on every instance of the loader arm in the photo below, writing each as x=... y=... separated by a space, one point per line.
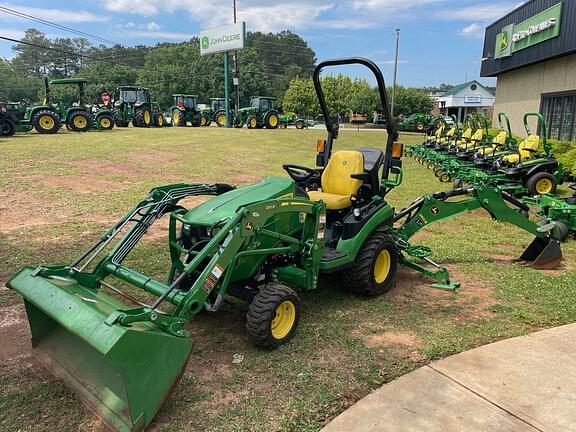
x=543 y=252
x=123 y=360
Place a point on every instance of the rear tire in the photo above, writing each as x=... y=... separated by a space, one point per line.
x=46 y=122
x=118 y=121
x=273 y=315
x=178 y=118
x=374 y=270
x=299 y=124
x=79 y=121
x=541 y=183
x=9 y=128
x=142 y=118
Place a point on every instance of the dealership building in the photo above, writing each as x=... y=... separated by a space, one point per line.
x=532 y=53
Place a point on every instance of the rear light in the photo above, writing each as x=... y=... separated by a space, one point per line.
x=2 y=108
x=397 y=149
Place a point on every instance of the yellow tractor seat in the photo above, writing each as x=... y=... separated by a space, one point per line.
x=498 y=141
x=337 y=185
x=466 y=135
x=474 y=140
x=526 y=150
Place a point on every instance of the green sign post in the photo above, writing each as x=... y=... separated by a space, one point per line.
x=537 y=29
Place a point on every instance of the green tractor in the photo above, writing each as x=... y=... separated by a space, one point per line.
x=216 y=112
x=259 y=114
x=123 y=350
x=185 y=110
x=291 y=119
x=421 y=122
x=132 y=104
x=49 y=117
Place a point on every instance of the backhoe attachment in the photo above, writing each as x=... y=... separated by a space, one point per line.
x=543 y=252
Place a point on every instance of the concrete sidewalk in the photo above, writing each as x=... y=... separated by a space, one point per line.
x=521 y=384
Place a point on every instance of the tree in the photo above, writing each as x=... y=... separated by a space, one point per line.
x=300 y=97
x=410 y=100
x=362 y=97
x=30 y=58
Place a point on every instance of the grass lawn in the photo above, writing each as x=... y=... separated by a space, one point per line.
x=58 y=193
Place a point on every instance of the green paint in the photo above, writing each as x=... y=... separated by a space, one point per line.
x=537 y=29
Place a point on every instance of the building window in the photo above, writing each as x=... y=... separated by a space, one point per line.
x=559 y=110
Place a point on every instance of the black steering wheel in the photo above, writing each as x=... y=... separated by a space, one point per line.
x=300 y=173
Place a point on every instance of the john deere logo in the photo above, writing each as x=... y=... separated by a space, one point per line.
x=504 y=40
x=205 y=42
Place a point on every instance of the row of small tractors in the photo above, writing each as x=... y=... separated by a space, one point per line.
x=133 y=105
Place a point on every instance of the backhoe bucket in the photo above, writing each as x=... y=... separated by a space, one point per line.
x=543 y=253
x=123 y=374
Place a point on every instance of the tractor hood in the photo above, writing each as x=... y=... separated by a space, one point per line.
x=247 y=110
x=225 y=205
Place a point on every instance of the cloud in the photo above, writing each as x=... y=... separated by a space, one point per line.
x=343 y=24
x=260 y=15
x=474 y=30
x=152 y=26
x=479 y=12
x=387 y=6
x=55 y=15
x=158 y=35
x=389 y=62
x=12 y=33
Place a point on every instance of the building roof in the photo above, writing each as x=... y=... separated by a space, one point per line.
x=458 y=88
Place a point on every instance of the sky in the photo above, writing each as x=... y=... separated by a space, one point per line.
x=440 y=40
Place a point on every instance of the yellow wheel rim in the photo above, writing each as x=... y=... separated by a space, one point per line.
x=80 y=122
x=544 y=186
x=444 y=178
x=46 y=122
x=202 y=121
x=160 y=120
x=221 y=119
x=175 y=118
x=419 y=126
x=382 y=266
x=273 y=120
x=253 y=123
x=105 y=123
x=147 y=117
x=284 y=319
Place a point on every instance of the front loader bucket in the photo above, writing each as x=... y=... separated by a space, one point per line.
x=123 y=374
x=543 y=253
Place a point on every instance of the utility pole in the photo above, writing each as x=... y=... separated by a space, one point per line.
x=395 y=73
x=236 y=72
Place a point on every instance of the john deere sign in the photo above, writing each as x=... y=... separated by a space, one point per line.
x=537 y=29
x=228 y=38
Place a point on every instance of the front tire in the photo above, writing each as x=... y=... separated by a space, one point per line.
x=105 y=122
x=299 y=124
x=251 y=122
x=271 y=121
x=273 y=316
x=220 y=118
x=46 y=122
x=159 y=120
x=374 y=270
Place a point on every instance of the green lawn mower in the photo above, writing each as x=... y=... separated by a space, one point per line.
x=117 y=336
x=529 y=169
x=291 y=119
x=185 y=110
x=259 y=114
